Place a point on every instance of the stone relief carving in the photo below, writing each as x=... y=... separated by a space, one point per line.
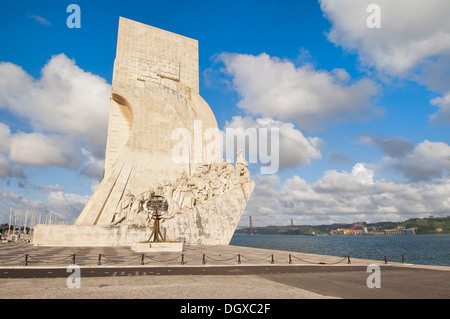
x=189 y=190
x=168 y=68
x=241 y=168
x=154 y=71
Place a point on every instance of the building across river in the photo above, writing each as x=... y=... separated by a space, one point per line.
x=410 y=231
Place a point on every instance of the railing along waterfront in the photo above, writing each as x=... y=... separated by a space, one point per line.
x=144 y=259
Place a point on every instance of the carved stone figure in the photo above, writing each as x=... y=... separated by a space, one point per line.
x=241 y=168
x=169 y=196
x=124 y=208
x=207 y=182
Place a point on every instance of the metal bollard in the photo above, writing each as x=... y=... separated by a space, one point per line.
x=272 y=261
x=239 y=258
x=290 y=259
x=385 y=260
x=348 y=260
x=182 y=259
x=403 y=259
x=204 y=259
x=99 y=259
x=73 y=259
x=25 y=263
x=142 y=259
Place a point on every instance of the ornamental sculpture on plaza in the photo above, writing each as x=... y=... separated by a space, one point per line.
x=155 y=100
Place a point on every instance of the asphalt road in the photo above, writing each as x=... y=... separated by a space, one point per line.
x=348 y=282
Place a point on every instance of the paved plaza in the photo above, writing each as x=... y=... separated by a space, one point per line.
x=208 y=272
x=17 y=254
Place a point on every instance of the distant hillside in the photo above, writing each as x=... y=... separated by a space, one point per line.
x=424 y=226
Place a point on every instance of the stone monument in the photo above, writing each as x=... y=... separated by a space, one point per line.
x=155 y=94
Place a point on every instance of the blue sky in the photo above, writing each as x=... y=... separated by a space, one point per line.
x=363 y=113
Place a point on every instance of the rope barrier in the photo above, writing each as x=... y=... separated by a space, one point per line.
x=163 y=261
x=45 y=262
x=11 y=260
x=121 y=260
x=206 y=256
x=34 y=259
x=262 y=259
x=319 y=263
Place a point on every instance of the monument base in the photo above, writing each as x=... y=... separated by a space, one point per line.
x=90 y=236
x=157 y=247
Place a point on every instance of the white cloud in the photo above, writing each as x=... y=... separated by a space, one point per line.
x=68 y=206
x=7 y=168
x=94 y=167
x=63 y=206
x=36 y=149
x=293 y=149
x=4 y=167
x=443 y=114
x=428 y=160
x=270 y=87
x=347 y=197
x=425 y=161
x=413 y=41
x=67 y=112
x=5 y=138
x=411 y=31
x=66 y=100
x=334 y=181
x=394 y=146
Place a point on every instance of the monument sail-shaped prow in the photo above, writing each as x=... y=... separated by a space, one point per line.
x=155 y=97
x=155 y=90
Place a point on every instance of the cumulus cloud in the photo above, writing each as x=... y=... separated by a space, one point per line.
x=64 y=206
x=5 y=138
x=394 y=146
x=292 y=148
x=347 y=196
x=66 y=114
x=413 y=41
x=67 y=110
x=4 y=167
x=443 y=114
x=428 y=160
x=36 y=149
x=93 y=168
x=65 y=101
x=275 y=88
x=425 y=161
x=411 y=31
x=8 y=169
x=336 y=182
x=69 y=206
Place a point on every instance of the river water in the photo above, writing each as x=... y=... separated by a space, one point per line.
x=419 y=249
